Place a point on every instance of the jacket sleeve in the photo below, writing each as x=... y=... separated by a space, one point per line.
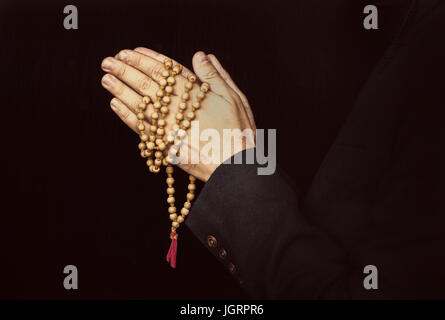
x=252 y=224
x=256 y=226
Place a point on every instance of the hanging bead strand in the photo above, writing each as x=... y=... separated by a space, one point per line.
x=156 y=142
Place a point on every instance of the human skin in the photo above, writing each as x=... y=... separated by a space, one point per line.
x=132 y=74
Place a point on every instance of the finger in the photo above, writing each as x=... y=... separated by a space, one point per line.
x=208 y=73
x=128 y=117
x=121 y=91
x=160 y=58
x=131 y=76
x=226 y=76
x=149 y=66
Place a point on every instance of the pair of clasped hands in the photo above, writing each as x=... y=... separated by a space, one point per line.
x=132 y=74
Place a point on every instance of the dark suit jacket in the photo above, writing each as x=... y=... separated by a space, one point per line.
x=377 y=199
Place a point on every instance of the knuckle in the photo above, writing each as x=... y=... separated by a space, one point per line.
x=118 y=90
x=234 y=99
x=210 y=74
x=144 y=86
x=121 y=71
x=136 y=58
x=121 y=112
x=124 y=113
x=156 y=72
x=225 y=77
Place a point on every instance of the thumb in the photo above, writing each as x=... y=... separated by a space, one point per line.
x=206 y=72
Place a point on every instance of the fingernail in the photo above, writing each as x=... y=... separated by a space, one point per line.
x=106 y=81
x=114 y=104
x=107 y=65
x=123 y=56
x=202 y=57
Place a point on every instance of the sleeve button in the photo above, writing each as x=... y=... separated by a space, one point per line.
x=222 y=253
x=211 y=241
x=231 y=267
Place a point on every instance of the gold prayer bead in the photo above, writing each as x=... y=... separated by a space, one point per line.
x=170 y=190
x=192 y=78
x=188 y=86
x=163 y=82
x=180 y=219
x=150 y=145
x=190 y=115
x=186 y=124
x=141 y=146
x=168 y=89
x=142 y=106
x=170 y=180
x=147 y=153
x=171 y=200
x=149 y=162
x=140 y=116
x=185 y=96
x=169 y=170
x=166 y=99
x=168 y=64
x=171 y=81
x=187 y=205
x=190 y=196
x=146 y=99
x=192 y=187
x=155 y=115
x=165 y=73
x=160 y=131
x=179 y=116
x=164 y=110
x=156 y=169
x=192 y=178
x=161 y=122
x=141 y=127
x=171 y=209
x=173 y=216
x=177 y=69
x=157 y=105
x=200 y=95
x=158 y=154
x=160 y=93
x=196 y=105
x=144 y=137
x=184 y=211
x=182 y=106
x=158 y=162
x=175 y=224
x=205 y=87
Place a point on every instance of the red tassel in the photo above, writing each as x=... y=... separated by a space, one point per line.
x=171 y=255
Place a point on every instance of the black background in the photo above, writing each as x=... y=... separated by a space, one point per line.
x=75 y=190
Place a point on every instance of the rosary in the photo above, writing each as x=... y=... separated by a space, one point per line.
x=155 y=142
